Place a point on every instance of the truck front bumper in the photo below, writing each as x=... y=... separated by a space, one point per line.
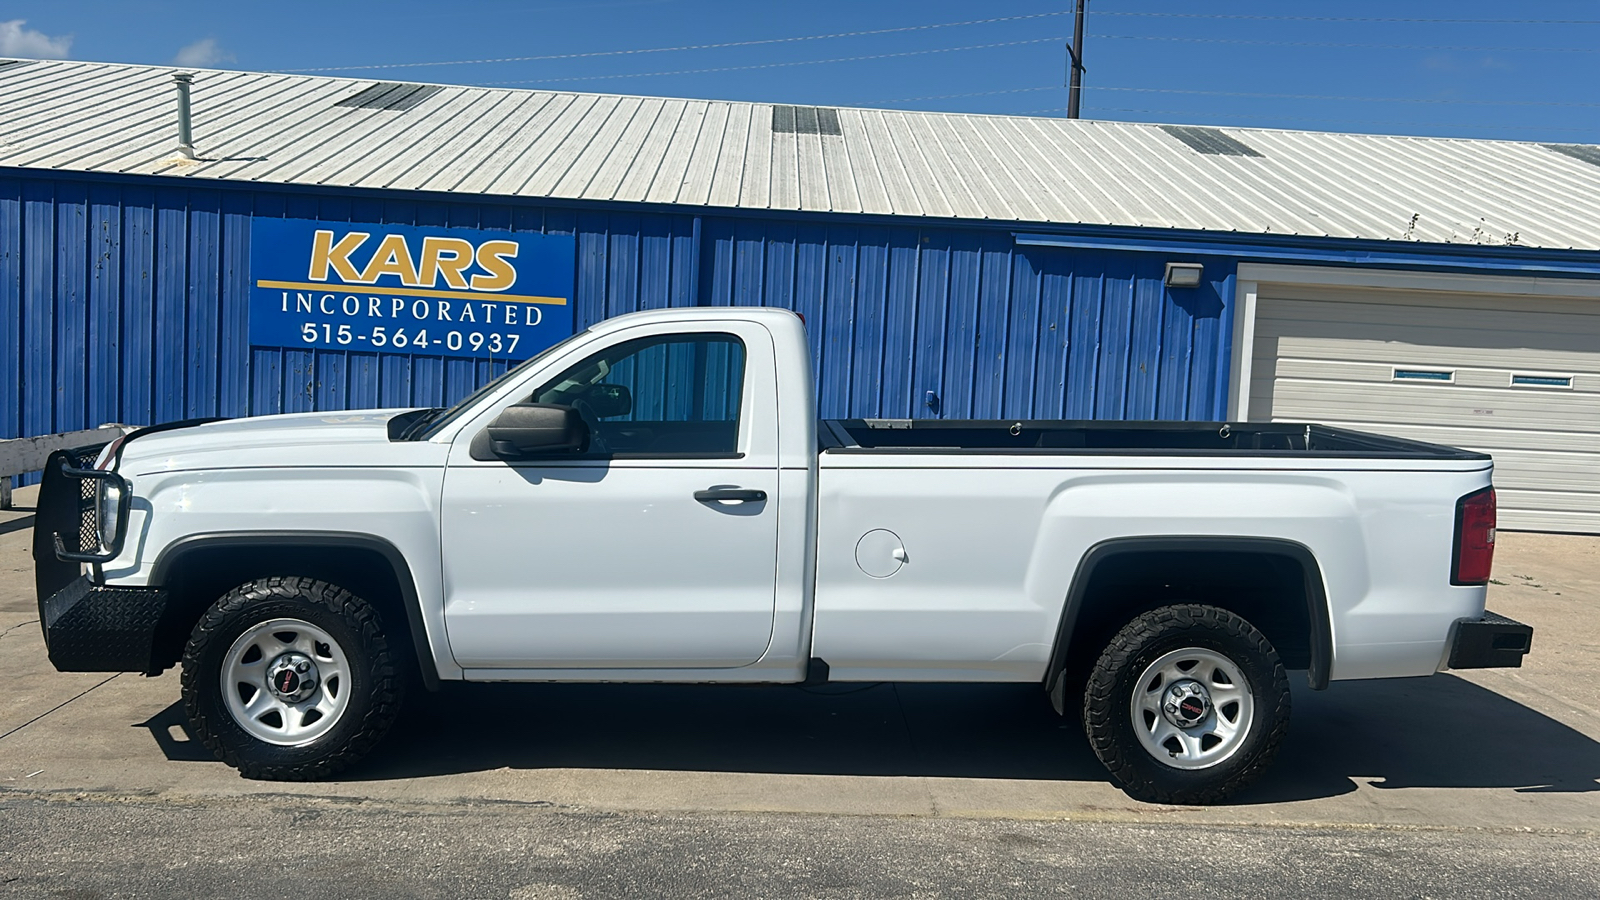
x=87 y=627
x=1492 y=642
x=94 y=628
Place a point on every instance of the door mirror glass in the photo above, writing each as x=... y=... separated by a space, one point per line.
x=526 y=429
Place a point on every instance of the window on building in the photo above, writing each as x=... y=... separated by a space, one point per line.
x=1434 y=375
x=1530 y=379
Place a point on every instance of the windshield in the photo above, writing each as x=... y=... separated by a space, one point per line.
x=450 y=415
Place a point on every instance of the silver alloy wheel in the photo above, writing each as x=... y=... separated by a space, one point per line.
x=286 y=682
x=1192 y=708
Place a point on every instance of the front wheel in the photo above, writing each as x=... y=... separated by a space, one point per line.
x=1186 y=705
x=290 y=679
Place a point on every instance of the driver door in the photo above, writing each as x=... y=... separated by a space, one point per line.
x=655 y=546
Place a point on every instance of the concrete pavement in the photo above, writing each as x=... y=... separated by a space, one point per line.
x=1498 y=752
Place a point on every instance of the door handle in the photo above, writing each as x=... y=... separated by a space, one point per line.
x=713 y=495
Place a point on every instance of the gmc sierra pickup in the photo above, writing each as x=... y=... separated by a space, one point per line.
x=654 y=500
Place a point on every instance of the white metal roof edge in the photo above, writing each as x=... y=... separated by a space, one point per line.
x=1104 y=172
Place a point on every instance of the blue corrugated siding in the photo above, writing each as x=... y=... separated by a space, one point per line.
x=991 y=329
x=122 y=302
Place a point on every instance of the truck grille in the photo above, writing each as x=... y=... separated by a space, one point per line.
x=67 y=507
x=88 y=509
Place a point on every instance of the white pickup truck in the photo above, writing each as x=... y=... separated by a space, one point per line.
x=654 y=500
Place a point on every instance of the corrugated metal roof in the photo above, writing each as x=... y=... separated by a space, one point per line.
x=295 y=129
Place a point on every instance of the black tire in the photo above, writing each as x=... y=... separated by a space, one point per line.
x=1109 y=713
x=374 y=691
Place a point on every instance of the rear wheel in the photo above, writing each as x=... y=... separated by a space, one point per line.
x=1187 y=705
x=290 y=679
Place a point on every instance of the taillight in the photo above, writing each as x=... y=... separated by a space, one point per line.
x=1474 y=553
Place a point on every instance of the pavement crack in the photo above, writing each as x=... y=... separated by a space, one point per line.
x=56 y=707
x=18 y=625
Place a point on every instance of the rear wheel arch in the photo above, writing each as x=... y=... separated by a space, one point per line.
x=198 y=569
x=1122 y=578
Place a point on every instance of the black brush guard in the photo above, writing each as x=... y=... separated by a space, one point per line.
x=87 y=627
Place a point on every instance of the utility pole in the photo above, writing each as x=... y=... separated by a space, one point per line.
x=1075 y=88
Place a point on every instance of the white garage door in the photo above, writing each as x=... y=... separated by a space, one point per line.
x=1514 y=376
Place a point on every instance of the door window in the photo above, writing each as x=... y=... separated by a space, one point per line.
x=672 y=395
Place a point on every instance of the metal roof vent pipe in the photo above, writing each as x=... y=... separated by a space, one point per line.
x=181 y=81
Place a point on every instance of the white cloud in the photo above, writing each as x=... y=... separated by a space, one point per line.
x=204 y=52
x=16 y=40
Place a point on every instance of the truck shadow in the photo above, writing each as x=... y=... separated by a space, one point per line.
x=1426 y=732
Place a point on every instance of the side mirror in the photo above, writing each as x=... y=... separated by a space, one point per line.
x=526 y=429
x=609 y=400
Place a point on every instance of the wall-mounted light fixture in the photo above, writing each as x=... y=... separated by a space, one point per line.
x=1184 y=275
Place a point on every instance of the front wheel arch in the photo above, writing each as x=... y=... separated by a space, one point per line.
x=197 y=569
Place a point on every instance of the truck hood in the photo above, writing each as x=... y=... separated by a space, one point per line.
x=297 y=439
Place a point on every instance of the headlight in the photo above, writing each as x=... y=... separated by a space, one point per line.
x=108 y=507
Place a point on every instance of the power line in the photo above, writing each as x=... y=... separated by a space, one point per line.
x=776 y=65
x=1155 y=15
x=1017 y=18
x=1027 y=90
x=1195 y=40
x=754 y=43
x=1191 y=113
x=1351 y=99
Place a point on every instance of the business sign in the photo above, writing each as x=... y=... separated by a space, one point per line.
x=399 y=289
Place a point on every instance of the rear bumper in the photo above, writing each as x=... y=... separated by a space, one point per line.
x=1492 y=642
x=93 y=628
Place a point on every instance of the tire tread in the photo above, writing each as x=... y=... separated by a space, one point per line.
x=1104 y=703
x=385 y=695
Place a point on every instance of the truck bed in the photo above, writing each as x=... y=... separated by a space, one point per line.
x=991 y=521
x=1102 y=438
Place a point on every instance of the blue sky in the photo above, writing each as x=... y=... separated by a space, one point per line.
x=1471 y=68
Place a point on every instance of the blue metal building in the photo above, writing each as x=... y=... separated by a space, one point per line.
x=955 y=266
x=130 y=303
